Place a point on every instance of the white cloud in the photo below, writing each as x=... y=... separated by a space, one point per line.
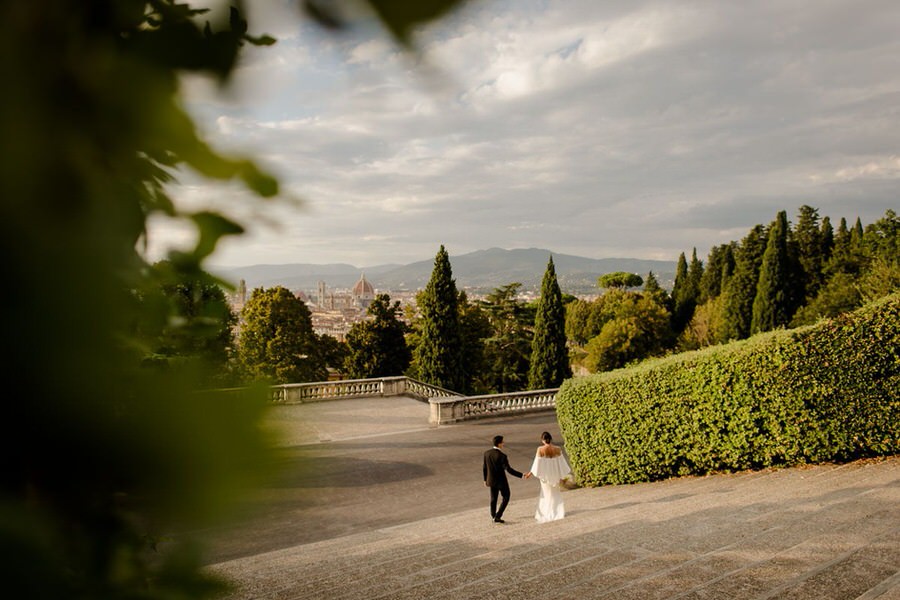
x=879 y=168
x=587 y=127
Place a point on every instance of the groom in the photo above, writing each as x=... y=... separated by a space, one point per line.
x=495 y=467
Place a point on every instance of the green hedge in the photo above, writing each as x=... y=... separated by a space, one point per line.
x=826 y=392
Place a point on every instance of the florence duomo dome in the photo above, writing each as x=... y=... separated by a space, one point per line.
x=363 y=293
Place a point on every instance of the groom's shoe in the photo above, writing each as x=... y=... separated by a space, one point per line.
x=498 y=520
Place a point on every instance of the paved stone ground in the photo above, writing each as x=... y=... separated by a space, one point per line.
x=379 y=466
x=827 y=531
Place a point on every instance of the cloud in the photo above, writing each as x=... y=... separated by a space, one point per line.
x=597 y=128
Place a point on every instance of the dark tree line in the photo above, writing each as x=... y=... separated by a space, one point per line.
x=499 y=344
x=505 y=344
x=786 y=276
x=777 y=276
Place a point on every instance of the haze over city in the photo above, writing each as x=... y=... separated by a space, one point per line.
x=597 y=129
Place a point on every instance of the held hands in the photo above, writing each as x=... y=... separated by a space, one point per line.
x=526 y=475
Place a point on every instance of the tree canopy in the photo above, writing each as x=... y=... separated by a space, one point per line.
x=620 y=280
x=377 y=346
x=508 y=350
x=277 y=342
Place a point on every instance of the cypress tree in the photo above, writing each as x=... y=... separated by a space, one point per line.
x=439 y=353
x=741 y=287
x=840 y=252
x=808 y=239
x=727 y=265
x=549 y=356
x=826 y=236
x=680 y=292
x=652 y=287
x=717 y=267
x=695 y=275
x=846 y=255
x=856 y=234
x=686 y=290
x=772 y=306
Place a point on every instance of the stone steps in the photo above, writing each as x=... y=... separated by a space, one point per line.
x=816 y=532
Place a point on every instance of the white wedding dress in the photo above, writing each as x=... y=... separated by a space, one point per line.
x=550 y=471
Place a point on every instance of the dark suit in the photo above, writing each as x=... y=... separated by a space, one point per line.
x=496 y=466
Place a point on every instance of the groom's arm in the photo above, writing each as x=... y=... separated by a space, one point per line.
x=509 y=469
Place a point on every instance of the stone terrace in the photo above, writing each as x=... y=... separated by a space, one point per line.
x=827 y=531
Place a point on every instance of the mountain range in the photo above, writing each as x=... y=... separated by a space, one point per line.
x=479 y=271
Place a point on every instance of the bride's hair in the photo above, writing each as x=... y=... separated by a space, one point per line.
x=546 y=437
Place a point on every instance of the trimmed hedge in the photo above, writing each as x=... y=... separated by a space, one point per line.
x=826 y=392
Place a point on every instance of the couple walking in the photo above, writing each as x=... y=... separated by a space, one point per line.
x=549 y=466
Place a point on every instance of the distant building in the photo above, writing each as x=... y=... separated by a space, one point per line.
x=335 y=311
x=362 y=293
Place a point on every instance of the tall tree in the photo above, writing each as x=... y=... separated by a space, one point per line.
x=549 y=354
x=881 y=239
x=508 y=350
x=719 y=265
x=680 y=292
x=826 y=235
x=807 y=235
x=277 y=341
x=438 y=356
x=377 y=346
x=848 y=253
x=741 y=289
x=773 y=304
x=695 y=274
x=651 y=284
x=686 y=290
x=475 y=328
x=856 y=234
x=728 y=264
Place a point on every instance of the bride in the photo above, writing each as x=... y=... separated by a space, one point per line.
x=551 y=468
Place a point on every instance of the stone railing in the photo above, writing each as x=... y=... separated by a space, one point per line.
x=296 y=393
x=446 y=406
x=452 y=410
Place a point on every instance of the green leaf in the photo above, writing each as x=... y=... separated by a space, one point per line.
x=211 y=228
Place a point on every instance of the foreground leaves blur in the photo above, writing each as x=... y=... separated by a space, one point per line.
x=104 y=452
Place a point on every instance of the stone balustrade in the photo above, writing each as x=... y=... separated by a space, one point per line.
x=295 y=393
x=446 y=406
x=464 y=408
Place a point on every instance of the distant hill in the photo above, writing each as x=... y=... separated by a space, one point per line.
x=482 y=270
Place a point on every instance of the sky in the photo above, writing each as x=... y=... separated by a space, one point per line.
x=602 y=129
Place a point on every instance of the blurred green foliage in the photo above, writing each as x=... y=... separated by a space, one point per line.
x=104 y=453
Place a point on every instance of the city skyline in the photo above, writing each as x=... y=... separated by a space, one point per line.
x=593 y=128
